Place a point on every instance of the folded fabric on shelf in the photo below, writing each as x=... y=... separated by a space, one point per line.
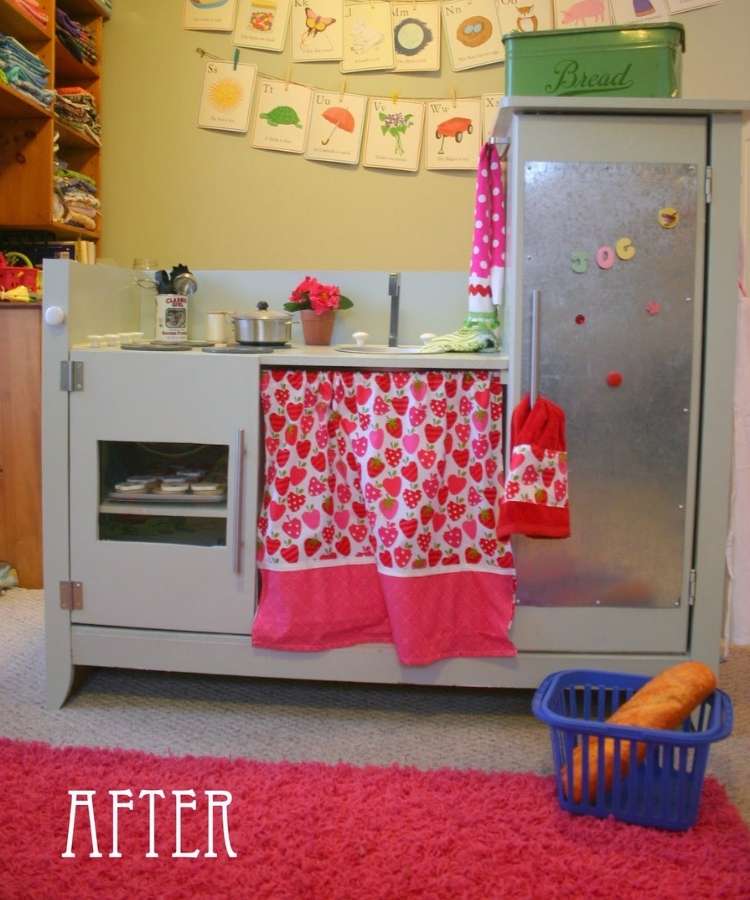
x=77 y=39
x=75 y=201
x=33 y=9
x=24 y=71
x=76 y=107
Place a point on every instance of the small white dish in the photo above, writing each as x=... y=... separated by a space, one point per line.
x=174 y=488
x=128 y=487
x=206 y=487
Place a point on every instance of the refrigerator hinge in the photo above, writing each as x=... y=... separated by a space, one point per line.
x=71 y=376
x=71 y=595
x=691 y=588
x=709 y=183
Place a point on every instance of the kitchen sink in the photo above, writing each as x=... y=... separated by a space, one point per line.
x=379 y=349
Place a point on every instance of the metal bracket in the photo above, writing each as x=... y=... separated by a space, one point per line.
x=71 y=595
x=691 y=588
x=709 y=185
x=71 y=376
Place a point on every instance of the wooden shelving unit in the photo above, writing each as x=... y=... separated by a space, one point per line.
x=27 y=129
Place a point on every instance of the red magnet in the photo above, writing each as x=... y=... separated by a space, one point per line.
x=653 y=308
x=614 y=379
x=580 y=319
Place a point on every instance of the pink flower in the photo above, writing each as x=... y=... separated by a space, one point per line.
x=300 y=293
x=324 y=297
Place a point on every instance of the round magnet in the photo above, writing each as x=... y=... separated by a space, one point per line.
x=625 y=248
x=580 y=319
x=668 y=217
x=614 y=379
x=653 y=308
x=605 y=257
x=579 y=261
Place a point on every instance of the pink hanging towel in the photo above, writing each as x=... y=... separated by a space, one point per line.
x=535 y=502
x=383 y=528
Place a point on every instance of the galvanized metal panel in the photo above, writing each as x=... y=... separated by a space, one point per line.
x=629 y=446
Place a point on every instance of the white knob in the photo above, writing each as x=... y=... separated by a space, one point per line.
x=54 y=315
x=360 y=337
x=427 y=336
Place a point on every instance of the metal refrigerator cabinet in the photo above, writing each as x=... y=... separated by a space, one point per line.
x=615 y=275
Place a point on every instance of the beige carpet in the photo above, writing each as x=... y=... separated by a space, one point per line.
x=273 y=720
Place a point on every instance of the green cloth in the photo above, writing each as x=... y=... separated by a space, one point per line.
x=476 y=335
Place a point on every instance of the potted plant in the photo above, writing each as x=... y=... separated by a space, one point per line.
x=317 y=304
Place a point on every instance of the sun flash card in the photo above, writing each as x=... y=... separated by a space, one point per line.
x=227 y=96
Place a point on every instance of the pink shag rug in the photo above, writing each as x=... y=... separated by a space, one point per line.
x=313 y=831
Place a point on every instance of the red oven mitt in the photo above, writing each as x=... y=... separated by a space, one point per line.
x=535 y=502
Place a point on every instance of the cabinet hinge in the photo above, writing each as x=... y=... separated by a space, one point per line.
x=691 y=588
x=709 y=183
x=71 y=595
x=71 y=376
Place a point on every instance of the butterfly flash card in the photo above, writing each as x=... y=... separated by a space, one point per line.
x=227 y=95
x=317 y=30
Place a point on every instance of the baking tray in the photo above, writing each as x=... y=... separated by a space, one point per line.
x=146 y=497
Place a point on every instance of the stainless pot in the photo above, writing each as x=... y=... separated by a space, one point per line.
x=263 y=326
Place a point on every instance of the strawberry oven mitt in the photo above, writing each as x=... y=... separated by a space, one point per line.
x=535 y=502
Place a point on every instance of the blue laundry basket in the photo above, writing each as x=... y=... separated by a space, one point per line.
x=662 y=789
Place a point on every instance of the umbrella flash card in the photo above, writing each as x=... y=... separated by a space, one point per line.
x=336 y=125
x=453 y=133
x=227 y=96
x=473 y=31
x=262 y=24
x=368 y=37
x=281 y=116
x=394 y=134
x=416 y=36
x=210 y=15
x=317 y=30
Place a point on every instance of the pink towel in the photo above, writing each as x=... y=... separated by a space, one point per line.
x=488 y=250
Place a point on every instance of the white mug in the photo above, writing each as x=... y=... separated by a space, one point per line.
x=216 y=328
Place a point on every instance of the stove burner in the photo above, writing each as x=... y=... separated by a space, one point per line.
x=255 y=349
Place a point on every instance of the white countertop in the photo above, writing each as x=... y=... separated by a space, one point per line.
x=329 y=356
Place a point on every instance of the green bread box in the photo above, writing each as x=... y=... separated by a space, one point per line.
x=621 y=61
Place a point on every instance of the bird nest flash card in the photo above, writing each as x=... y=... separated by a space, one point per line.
x=525 y=15
x=336 y=125
x=281 y=116
x=473 y=32
x=210 y=15
x=393 y=134
x=368 y=37
x=317 y=30
x=490 y=107
x=453 y=132
x=227 y=96
x=416 y=36
x=262 y=24
x=582 y=13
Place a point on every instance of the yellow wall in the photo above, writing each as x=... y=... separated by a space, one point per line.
x=174 y=192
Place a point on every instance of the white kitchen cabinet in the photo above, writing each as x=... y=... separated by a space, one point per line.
x=181 y=607
x=178 y=565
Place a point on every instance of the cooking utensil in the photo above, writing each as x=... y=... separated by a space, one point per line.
x=262 y=326
x=183 y=280
x=163 y=282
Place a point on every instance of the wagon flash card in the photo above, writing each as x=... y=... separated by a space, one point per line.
x=453 y=133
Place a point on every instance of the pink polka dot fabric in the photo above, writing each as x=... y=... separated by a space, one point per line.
x=488 y=250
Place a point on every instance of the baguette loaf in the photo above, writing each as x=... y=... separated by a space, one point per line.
x=663 y=702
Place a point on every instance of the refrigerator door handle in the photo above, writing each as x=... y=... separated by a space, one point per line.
x=536 y=296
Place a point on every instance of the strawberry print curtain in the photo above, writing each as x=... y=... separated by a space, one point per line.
x=379 y=513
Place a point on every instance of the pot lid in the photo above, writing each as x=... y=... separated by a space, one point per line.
x=263 y=312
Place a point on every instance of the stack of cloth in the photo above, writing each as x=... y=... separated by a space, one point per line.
x=75 y=200
x=75 y=37
x=24 y=71
x=34 y=10
x=76 y=107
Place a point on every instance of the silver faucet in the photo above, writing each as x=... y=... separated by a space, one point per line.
x=394 y=291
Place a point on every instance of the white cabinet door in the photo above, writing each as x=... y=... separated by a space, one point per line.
x=175 y=565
